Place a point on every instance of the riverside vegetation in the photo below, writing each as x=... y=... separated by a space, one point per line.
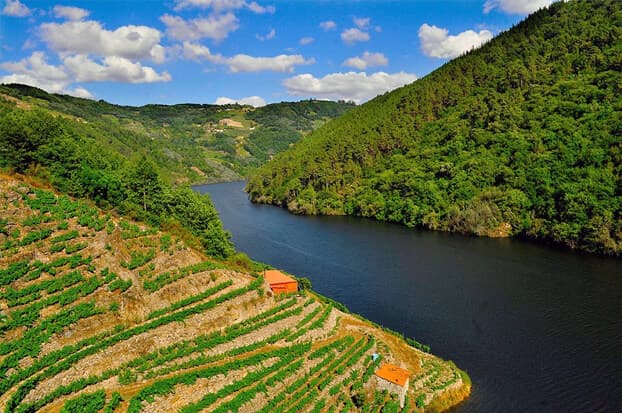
x=521 y=137
x=99 y=313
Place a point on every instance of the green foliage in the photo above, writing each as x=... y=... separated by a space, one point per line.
x=86 y=403
x=35 y=236
x=79 y=165
x=518 y=138
x=420 y=401
x=304 y=283
x=165 y=278
x=139 y=259
x=115 y=401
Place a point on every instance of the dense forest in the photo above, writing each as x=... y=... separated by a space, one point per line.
x=522 y=137
x=192 y=143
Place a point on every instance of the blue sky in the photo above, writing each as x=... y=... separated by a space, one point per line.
x=218 y=51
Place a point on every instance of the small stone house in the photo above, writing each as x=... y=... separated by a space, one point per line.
x=393 y=379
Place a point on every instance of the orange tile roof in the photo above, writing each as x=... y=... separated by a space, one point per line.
x=393 y=373
x=277 y=277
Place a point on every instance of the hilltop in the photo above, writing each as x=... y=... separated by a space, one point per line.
x=518 y=138
x=100 y=313
x=190 y=143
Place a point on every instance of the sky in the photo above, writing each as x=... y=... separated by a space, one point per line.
x=247 y=51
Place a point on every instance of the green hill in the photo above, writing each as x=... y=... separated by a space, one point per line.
x=140 y=160
x=99 y=313
x=189 y=142
x=522 y=137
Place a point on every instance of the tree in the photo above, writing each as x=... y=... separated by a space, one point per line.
x=144 y=182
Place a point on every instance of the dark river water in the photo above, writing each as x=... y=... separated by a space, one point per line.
x=537 y=329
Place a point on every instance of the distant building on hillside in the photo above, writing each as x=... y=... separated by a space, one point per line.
x=393 y=379
x=280 y=283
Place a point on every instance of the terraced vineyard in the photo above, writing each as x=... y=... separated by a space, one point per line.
x=98 y=314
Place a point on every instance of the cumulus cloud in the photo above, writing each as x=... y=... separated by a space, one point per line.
x=113 y=69
x=354 y=35
x=306 y=40
x=215 y=27
x=437 y=42
x=360 y=33
x=199 y=52
x=256 y=101
x=366 y=60
x=81 y=92
x=256 y=8
x=354 y=86
x=269 y=36
x=245 y=63
x=89 y=37
x=328 y=25
x=35 y=71
x=223 y=5
x=516 y=6
x=70 y=13
x=281 y=63
x=15 y=8
x=362 y=22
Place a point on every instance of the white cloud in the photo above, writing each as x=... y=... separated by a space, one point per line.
x=70 y=13
x=281 y=63
x=437 y=42
x=256 y=101
x=354 y=86
x=223 y=5
x=354 y=35
x=256 y=8
x=217 y=5
x=215 y=27
x=269 y=36
x=306 y=40
x=328 y=25
x=35 y=71
x=198 y=52
x=366 y=60
x=245 y=63
x=113 y=69
x=81 y=92
x=16 y=9
x=360 y=33
x=89 y=37
x=362 y=22
x=516 y=6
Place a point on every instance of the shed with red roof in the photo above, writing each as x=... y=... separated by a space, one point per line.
x=394 y=379
x=280 y=283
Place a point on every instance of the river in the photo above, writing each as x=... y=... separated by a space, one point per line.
x=538 y=329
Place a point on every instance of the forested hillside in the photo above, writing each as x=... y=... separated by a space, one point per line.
x=522 y=137
x=189 y=143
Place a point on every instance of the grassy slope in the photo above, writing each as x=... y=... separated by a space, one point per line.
x=94 y=307
x=518 y=138
x=187 y=141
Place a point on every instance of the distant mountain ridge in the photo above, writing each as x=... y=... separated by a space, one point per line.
x=521 y=137
x=193 y=143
